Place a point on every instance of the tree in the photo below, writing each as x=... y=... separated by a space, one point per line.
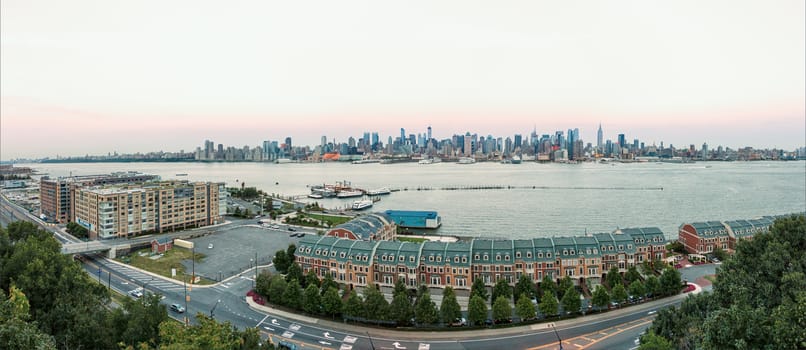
x=479 y=289
x=15 y=331
x=280 y=261
x=476 y=310
x=618 y=293
x=276 y=290
x=312 y=279
x=613 y=277
x=312 y=301
x=670 y=281
x=328 y=283
x=632 y=275
x=331 y=302
x=400 y=288
x=549 y=306
x=208 y=334
x=600 y=297
x=571 y=302
x=354 y=307
x=501 y=309
x=547 y=285
x=292 y=296
x=563 y=286
x=425 y=312
x=719 y=253
x=524 y=308
x=375 y=305
x=637 y=289
x=652 y=286
x=263 y=283
x=652 y=341
x=676 y=247
x=524 y=286
x=502 y=289
x=294 y=273
x=77 y=230
x=401 y=310
x=449 y=309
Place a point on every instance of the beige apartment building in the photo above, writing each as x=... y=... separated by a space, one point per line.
x=121 y=211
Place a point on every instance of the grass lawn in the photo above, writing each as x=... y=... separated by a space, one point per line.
x=163 y=265
x=333 y=220
x=711 y=278
x=411 y=239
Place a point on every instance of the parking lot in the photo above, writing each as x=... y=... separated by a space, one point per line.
x=231 y=249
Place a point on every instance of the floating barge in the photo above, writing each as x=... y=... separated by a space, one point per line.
x=415 y=219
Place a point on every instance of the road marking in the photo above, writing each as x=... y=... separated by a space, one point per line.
x=424 y=346
x=346 y=347
x=261 y=321
x=606 y=332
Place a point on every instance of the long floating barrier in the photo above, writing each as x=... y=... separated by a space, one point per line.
x=497 y=187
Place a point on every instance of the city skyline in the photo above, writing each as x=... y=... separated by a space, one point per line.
x=730 y=74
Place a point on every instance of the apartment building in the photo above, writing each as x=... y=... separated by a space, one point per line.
x=584 y=259
x=703 y=237
x=57 y=194
x=128 y=210
x=371 y=227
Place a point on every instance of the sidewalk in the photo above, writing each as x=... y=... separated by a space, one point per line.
x=454 y=334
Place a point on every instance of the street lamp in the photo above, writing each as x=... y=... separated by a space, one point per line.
x=212 y=314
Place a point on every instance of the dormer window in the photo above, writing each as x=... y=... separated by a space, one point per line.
x=497 y=258
x=528 y=254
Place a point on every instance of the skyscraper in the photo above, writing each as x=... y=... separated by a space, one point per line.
x=402 y=136
x=622 y=141
x=599 y=138
x=429 y=134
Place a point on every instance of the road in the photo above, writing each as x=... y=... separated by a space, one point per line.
x=226 y=302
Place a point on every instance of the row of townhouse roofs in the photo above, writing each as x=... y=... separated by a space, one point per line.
x=362 y=258
x=127 y=204
x=704 y=237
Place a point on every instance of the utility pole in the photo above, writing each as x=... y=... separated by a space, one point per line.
x=558 y=336
x=254 y=283
x=184 y=282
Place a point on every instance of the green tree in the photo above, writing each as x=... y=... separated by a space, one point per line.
x=600 y=297
x=331 y=302
x=277 y=289
x=292 y=296
x=312 y=301
x=524 y=308
x=676 y=247
x=613 y=277
x=632 y=275
x=652 y=341
x=524 y=286
x=328 y=283
x=637 y=289
x=208 y=334
x=280 y=261
x=571 y=301
x=449 y=309
x=670 y=281
x=547 y=285
x=502 y=289
x=502 y=311
x=478 y=288
x=720 y=253
x=354 y=306
x=311 y=279
x=263 y=283
x=618 y=293
x=652 y=286
x=400 y=288
x=375 y=305
x=294 y=273
x=476 y=310
x=563 y=286
x=549 y=305
x=425 y=311
x=401 y=310
x=15 y=331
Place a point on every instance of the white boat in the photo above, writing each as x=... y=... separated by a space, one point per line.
x=315 y=196
x=466 y=160
x=283 y=161
x=426 y=161
x=362 y=204
x=379 y=191
x=349 y=194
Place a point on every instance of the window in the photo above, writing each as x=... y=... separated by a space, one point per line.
x=506 y=257
x=431 y=258
x=464 y=259
x=486 y=257
x=528 y=254
x=620 y=247
x=456 y=259
x=497 y=258
x=401 y=258
x=439 y=258
x=548 y=255
x=518 y=255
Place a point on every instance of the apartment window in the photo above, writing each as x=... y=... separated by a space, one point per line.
x=497 y=258
x=528 y=254
x=431 y=258
x=518 y=255
x=456 y=259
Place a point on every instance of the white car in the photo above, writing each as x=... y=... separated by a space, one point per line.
x=210 y=246
x=137 y=293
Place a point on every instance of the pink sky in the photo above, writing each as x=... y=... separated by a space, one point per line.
x=146 y=76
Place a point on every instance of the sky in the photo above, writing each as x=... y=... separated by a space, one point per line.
x=91 y=77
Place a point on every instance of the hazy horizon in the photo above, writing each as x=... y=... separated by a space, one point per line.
x=86 y=77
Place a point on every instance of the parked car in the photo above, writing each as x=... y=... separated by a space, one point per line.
x=137 y=293
x=459 y=322
x=291 y=228
x=178 y=308
x=210 y=246
x=301 y=234
x=286 y=345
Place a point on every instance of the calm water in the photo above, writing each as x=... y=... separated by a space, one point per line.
x=568 y=200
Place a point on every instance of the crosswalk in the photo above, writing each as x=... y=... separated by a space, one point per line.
x=141 y=278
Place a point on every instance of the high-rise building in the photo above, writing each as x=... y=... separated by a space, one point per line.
x=402 y=135
x=622 y=141
x=429 y=133
x=123 y=211
x=518 y=142
x=599 y=138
